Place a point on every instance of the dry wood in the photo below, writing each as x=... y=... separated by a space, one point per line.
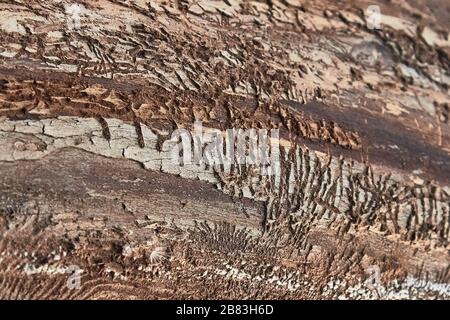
x=92 y=91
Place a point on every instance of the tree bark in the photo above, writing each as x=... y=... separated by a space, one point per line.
x=93 y=205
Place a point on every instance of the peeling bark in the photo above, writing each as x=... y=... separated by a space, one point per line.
x=88 y=179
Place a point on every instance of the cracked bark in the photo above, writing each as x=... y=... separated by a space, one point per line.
x=87 y=176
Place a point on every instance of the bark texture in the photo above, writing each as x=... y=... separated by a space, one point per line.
x=88 y=101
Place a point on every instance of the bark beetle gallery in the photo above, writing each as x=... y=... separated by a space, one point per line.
x=347 y=103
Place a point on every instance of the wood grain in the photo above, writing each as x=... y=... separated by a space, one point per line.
x=88 y=108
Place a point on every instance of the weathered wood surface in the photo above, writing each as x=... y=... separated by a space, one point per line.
x=86 y=178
